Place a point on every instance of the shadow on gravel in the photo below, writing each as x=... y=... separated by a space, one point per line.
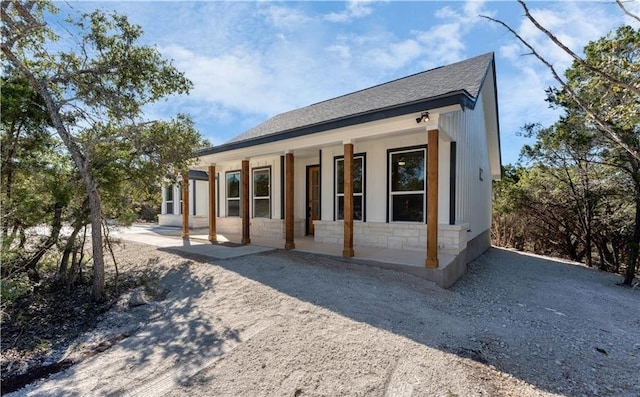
x=542 y=321
x=172 y=330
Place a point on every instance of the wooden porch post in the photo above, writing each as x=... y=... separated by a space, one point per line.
x=432 y=199
x=245 y=202
x=288 y=203
x=212 y=204
x=185 y=204
x=347 y=252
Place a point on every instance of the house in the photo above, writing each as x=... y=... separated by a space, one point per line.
x=407 y=164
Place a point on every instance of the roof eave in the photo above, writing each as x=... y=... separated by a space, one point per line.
x=462 y=98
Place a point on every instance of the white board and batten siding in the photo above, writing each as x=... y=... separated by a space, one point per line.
x=474 y=174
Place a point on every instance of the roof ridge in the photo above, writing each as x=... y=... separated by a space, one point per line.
x=388 y=82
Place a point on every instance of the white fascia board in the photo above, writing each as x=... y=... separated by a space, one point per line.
x=360 y=132
x=489 y=101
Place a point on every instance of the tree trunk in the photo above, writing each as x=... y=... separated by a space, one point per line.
x=604 y=255
x=90 y=184
x=75 y=271
x=31 y=264
x=68 y=249
x=7 y=165
x=634 y=246
x=588 y=246
x=616 y=256
x=96 y=241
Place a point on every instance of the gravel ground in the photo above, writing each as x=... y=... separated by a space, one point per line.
x=293 y=324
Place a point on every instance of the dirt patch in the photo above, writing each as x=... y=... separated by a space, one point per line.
x=41 y=331
x=287 y=323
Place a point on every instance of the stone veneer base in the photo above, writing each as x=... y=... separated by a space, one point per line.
x=451 y=266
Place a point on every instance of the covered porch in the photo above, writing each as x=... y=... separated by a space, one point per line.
x=306 y=212
x=226 y=246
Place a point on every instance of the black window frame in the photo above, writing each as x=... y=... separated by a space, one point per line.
x=193 y=193
x=180 y=196
x=391 y=192
x=337 y=195
x=169 y=204
x=253 y=192
x=226 y=193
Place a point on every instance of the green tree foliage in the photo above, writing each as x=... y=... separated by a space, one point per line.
x=35 y=178
x=92 y=89
x=583 y=184
x=618 y=56
x=566 y=203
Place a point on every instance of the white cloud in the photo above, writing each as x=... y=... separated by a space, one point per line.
x=395 y=55
x=285 y=17
x=354 y=9
x=445 y=42
x=343 y=51
x=236 y=80
x=441 y=44
x=573 y=24
x=523 y=79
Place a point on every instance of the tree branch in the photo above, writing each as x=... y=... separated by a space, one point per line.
x=629 y=13
x=17 y=33
x=608 y=77
x=604 y=126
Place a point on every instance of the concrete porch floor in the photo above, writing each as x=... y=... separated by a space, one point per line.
x=408 y=261
x=306 y=244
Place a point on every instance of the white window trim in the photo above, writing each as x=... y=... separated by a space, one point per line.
x=254 y=197
x=406 y=192
x=335 y=187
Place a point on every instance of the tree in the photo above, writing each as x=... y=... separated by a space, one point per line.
x=616 y=82
x=565 y=151
x=533 y=212
x=618 y=55
x=602 y=90
x=94 y=96
x=507 y=217
x=593 y=193
x=34 y=184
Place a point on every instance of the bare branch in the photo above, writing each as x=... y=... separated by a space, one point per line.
x=608 y=77
x=629 y=13
x=603 y=125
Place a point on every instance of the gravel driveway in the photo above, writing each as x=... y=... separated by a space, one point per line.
x=293 y=324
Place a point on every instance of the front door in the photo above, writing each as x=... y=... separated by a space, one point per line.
x=313 y=196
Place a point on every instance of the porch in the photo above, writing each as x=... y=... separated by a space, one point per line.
x=411 y=261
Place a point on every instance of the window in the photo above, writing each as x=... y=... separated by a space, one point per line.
x=180 y=195
x=233 y=193
x=168 y=198
x=358 y=187
x=407 y=193
x=262 y=193
x=193 y=193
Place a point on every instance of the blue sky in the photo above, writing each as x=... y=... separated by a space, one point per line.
x=252 y=60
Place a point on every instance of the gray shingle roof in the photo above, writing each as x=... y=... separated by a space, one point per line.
x=458 y=83
x=198 y=175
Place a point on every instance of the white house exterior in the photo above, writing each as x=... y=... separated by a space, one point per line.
x=171 y=211
x=416 y=157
